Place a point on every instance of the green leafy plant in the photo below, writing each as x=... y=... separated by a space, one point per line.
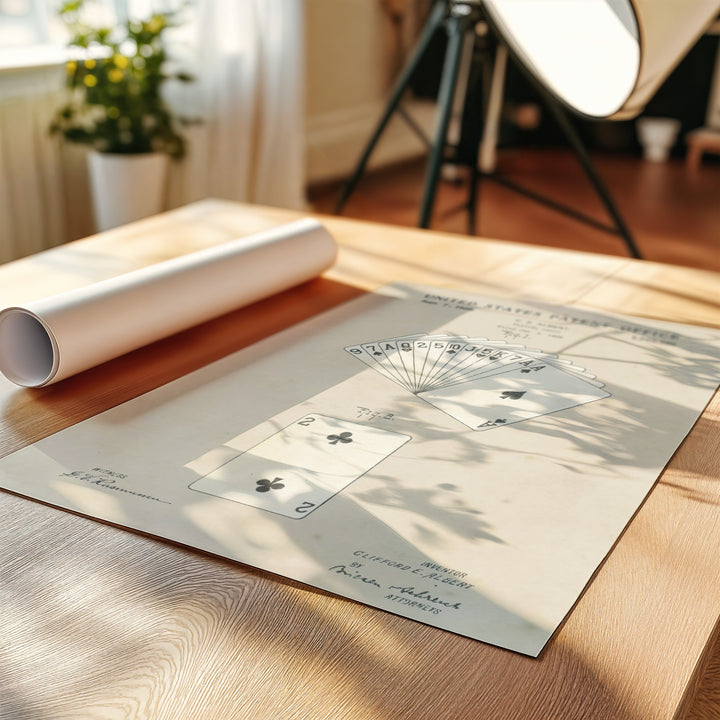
x=114 y=86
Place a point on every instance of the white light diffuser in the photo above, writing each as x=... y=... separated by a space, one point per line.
x=602 y=58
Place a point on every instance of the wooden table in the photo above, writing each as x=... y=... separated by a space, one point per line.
x=99 y=622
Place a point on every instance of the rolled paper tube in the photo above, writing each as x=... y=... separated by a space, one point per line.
x=53 y=338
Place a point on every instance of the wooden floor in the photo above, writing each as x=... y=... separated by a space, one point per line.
x=673 y=214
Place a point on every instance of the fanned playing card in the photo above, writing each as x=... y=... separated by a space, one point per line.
x=483 y=383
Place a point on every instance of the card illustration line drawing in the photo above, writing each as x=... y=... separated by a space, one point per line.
x=481 y=383
x=300 y=467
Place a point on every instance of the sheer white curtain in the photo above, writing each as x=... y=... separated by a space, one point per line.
x=31 y=190
x=248 y=60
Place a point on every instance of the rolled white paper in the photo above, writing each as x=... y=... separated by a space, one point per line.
x=50 y=339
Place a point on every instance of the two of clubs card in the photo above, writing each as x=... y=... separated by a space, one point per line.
x=481 y=383
x=301 y=466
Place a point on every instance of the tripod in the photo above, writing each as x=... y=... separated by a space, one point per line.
x=460 y=18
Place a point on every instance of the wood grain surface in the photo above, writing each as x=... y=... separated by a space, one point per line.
x=99 y=622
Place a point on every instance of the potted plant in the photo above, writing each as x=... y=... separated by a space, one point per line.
x=115 y=106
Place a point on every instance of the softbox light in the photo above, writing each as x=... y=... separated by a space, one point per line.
x=602 y=58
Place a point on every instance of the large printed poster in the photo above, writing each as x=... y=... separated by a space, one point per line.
x=463 y=461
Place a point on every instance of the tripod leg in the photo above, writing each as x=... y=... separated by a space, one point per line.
x=591 y=172
x=434 y=21
x=457 y=26
x=462 y=87
x=482 y=104
x=473 y=192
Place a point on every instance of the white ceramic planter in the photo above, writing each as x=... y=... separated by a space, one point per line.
x=126 y=187
x=657 y=136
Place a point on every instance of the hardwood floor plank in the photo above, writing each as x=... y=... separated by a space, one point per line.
x=672 y=212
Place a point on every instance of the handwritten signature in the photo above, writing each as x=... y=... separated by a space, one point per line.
x=409 y=590
x=103 y=480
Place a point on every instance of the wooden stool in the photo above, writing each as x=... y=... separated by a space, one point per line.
x=701 y=141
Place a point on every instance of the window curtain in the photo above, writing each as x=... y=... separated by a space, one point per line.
x=247 y=58
x=32 y=212
x=248 y=144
